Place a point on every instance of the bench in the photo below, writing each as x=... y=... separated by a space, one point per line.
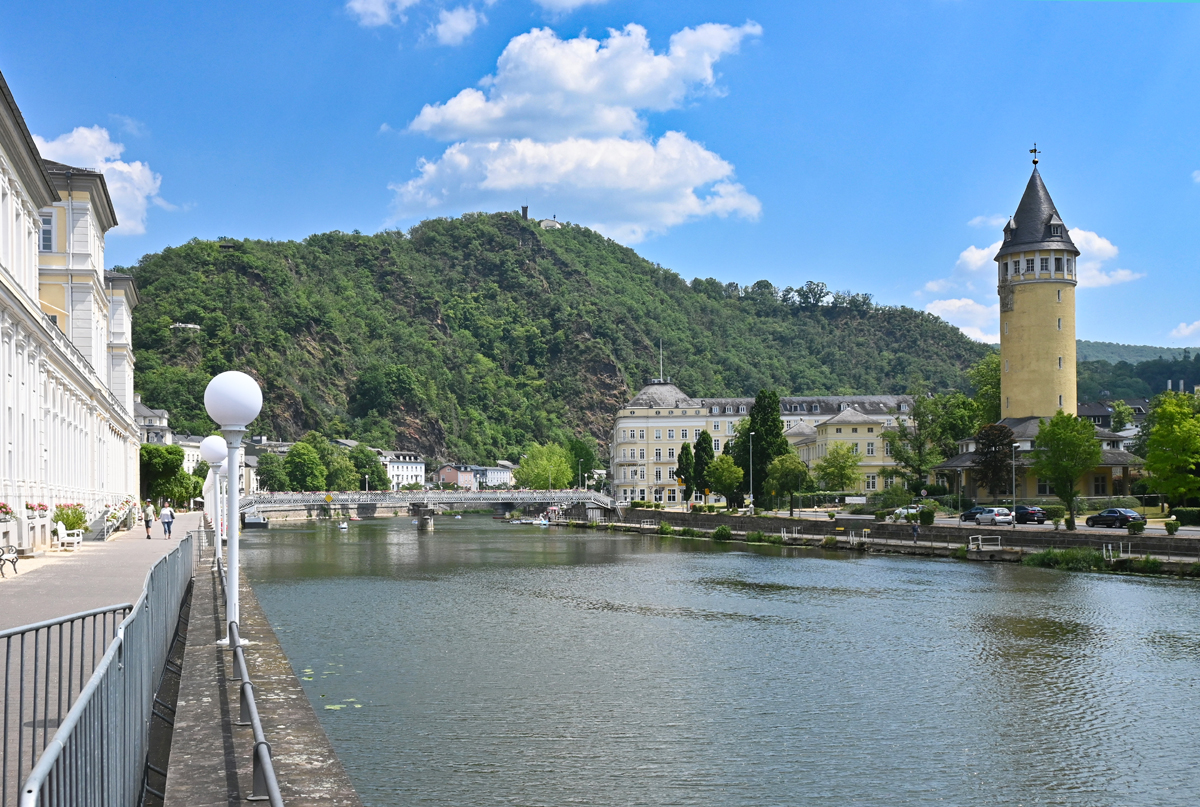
x=66 y=538
x=8 y=554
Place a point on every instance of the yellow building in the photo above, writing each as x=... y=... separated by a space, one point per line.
x=863 y=433
x=1037 y=277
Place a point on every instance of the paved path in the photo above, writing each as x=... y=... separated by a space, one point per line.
x=96 y=574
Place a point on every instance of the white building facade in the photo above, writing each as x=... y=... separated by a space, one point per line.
x=67 y=432
x=403 y=468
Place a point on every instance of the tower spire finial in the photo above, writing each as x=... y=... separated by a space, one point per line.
x=1034 y=151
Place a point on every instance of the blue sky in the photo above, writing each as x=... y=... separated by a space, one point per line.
x=876 y=146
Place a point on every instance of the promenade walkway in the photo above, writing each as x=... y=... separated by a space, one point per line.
x=96 y=574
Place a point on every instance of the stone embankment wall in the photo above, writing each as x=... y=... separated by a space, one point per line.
x=1034 y=539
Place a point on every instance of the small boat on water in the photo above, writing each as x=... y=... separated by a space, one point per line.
x=342 y=525
x=458 y=516
x=254 y=522
x=355 y=518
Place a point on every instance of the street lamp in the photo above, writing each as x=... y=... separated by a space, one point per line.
x=1014 y=483
x=233 y=400
x=212 y=451
x=367 y=482
x=751 y=473
x=581 y=474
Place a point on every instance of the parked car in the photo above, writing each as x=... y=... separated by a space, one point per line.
x=1026 y=513
x=994 y=516
x=971 y=514
x=1114 y=517
x=901 y=512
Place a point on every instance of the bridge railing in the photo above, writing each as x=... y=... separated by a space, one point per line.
x=405 y=498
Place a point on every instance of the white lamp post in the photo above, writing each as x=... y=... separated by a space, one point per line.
x=233 y=400
x=751 y=473
x=1014 y=484
x=212 y=451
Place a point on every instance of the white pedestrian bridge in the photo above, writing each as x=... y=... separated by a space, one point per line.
x=262 y=503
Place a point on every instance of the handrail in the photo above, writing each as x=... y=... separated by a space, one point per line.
x=265 y=785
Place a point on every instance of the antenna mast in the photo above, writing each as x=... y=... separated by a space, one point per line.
x=660 y=359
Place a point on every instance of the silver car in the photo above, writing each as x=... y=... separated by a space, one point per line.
x=993 y=516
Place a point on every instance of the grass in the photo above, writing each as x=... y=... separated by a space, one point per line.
x=1076 y=559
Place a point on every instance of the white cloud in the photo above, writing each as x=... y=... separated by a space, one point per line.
x=545 y=87
x=978 y=321
x=973 y=258
x=987 y=221
x=560 y=124
x=1186 y=330
x=1094 y=252
x=626 y=189
x=130 y=126
x=456 y=25
x=132 y=185
x=1196 y=176
x=567 y=5
x=373 y=13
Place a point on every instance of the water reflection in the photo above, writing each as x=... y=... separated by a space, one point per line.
x=528 y=666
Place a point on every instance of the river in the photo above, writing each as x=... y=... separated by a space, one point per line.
x=492 y=664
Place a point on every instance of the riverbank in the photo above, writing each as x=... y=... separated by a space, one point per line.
x=1125 y=554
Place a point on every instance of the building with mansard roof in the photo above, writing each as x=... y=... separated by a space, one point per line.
x=67 y=428
x=649 y=431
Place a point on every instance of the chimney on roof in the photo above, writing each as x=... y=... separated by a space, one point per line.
x=525 y=212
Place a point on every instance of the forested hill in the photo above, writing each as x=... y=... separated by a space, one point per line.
x=469 y=338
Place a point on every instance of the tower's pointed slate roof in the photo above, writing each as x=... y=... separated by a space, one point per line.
x=1032 y=222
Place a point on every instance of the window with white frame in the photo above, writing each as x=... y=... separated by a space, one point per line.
x=47 y=232
x=683 y=434
x=854 y=448
x=670 y=495
x=716 y=426
x=642 y=475
x=1029 y=264
x=658 y=455
x=870 y=449
x=670 y=453
x=903 y=407
x=670 y=434
x=742 y=410
x=716 y=444
x=887 y=449
x=1045 y=265
x=641 y=434
x=658 y=434
x=872 y=481
x=658 y=494
x=1058 y=266
x=658 y=474
x=641 y=453
x=671 y=472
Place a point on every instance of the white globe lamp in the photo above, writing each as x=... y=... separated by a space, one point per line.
x=233 y=400
x=213 y=449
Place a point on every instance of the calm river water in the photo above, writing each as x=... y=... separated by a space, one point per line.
x=489 y=664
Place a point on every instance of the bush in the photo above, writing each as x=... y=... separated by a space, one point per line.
x=1147 y=565
x=960 y=553
x=639 y=504
x=1172 y=527
x=1078 y=559
x=755 y=537
x=832 y=515
x=830 y=541
x=881 y=515
x=688 y=532
x=73 y=516
x=1187 y=516
x=1136 y=527
x=665 y=529
x=927 y=517
x=722 y=533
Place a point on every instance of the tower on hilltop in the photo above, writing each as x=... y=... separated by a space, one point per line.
x=1036 y=266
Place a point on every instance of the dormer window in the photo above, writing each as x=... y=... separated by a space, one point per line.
x=1056 y=230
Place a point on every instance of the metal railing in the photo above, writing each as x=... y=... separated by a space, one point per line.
x=46 y=666
x=98 y=755
x=265 y=786
x=265 y=500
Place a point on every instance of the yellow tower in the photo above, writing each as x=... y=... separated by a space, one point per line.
x=1036 y=266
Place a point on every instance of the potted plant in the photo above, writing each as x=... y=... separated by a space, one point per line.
x=6 y=512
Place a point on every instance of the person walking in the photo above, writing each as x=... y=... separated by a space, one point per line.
x=167 y=517
x=148 y=517
x=916 y=531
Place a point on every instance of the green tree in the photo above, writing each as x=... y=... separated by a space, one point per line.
x=545 y=467
x=685 y=473
x=786 y=475
x=724 y=476
x=838 y=469
x=985 y=378
x=180 y=488
x=914 y=443
x=1173 y=447
x=304 y=468
x=1066 y=449
x=993 y=458
x=341 y=474
x=769 y=442
x=200 y=471
x=367 y=463
x=952 y=417
x=271 y=473
x=1122 y=415
x=326 y=450
x=702 y=457
x=159 y=464
x=583 y=455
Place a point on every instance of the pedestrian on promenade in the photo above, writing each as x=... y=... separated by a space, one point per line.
x=916 y=531
x=148 y=517
x=167 y=517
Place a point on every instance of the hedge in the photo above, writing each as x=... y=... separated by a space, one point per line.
x=1188 y=516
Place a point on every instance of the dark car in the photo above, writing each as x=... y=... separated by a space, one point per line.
x=1027 y=513
x=971 y=514
x=1114 y=517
